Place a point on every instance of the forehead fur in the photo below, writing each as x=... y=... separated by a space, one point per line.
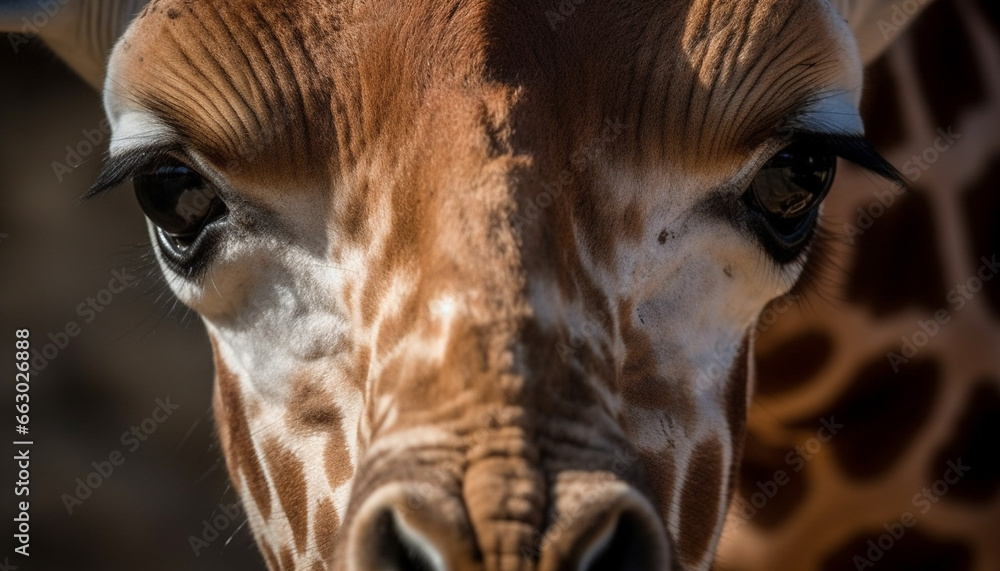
x=283 y=89
x=247 y=84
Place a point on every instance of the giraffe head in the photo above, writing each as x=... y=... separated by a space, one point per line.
x=481 y=277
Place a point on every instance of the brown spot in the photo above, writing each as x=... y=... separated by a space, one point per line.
x=736 y=409
x=237 y=439
x=662 y=238
x=880 y=107
x=337 y=460
x=287 y=559
x=289 y=478
x=951 y=90
x=793 y=363
x=982 y=212
x=359 y=373
x=881 y=413
x=762 y=469
x=974 y=443
x=354 y=214
x=915 y=551
x=272 y=561
x=700 y=496
x=312 y=409
x=661 y=471
x=325 y=526
x=173 y=14
x=884 y=279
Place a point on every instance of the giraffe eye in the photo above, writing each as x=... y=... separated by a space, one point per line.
x=182 y=205
x=785 y=195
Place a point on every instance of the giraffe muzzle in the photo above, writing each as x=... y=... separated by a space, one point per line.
x=399 y=528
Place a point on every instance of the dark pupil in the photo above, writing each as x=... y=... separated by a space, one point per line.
x=792 y=181
x=176 y=199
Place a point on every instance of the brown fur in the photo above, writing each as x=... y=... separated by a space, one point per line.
x=698 y=506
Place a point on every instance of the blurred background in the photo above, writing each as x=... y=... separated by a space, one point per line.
x=129 y=351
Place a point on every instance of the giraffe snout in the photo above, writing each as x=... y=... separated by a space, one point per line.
x=397 y=529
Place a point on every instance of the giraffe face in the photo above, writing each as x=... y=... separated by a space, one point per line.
x=479 y=277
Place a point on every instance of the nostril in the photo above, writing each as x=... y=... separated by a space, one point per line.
x=623 y=548
x=396 y=547
x=633 y=543
x=407 y=528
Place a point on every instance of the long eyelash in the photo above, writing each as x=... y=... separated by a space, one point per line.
x=858 y=150
x=128 y=164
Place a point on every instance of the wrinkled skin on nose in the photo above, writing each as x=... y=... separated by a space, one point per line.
x=506 y=471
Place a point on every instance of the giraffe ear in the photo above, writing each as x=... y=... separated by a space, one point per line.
x=877 y=23
x=80 y=32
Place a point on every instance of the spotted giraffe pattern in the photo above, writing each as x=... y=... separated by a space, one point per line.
x=932 y=103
